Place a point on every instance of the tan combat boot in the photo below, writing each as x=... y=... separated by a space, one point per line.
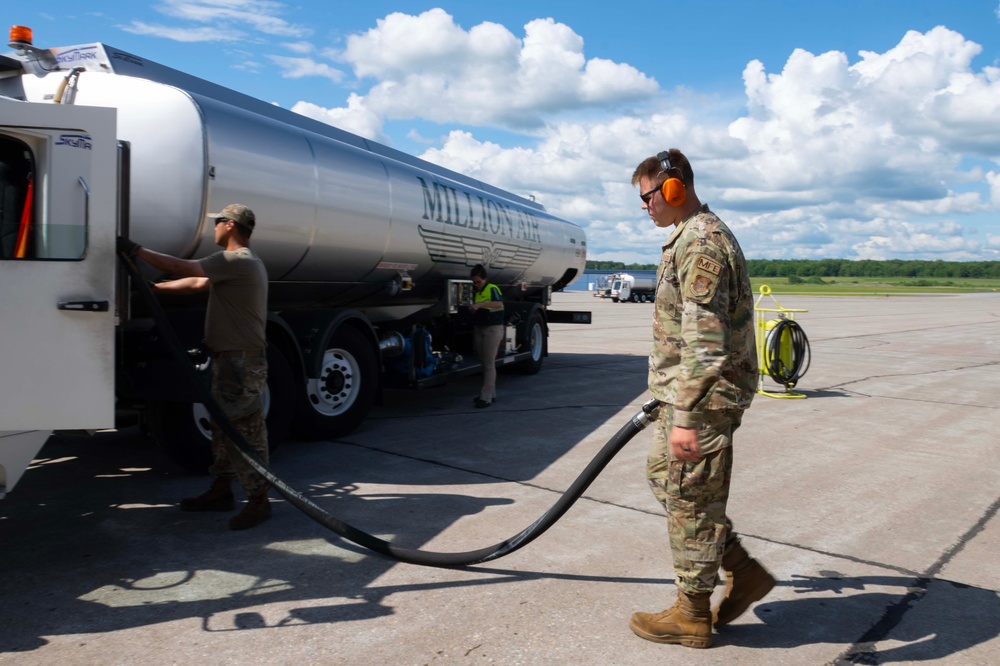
x=257 y=510
x=746 y=582
x=688 y=622
x=218 y=498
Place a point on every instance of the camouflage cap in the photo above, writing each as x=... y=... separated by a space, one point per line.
x=238 y=213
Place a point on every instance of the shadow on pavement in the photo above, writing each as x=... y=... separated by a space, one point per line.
x=925 y=620
x=93 y=542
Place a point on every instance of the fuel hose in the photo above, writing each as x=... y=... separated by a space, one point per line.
x=636 y=423
x=787 y=374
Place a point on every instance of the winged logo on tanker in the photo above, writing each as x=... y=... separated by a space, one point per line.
x=468 y=251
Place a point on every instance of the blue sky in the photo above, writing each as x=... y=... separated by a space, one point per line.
x=856 y=129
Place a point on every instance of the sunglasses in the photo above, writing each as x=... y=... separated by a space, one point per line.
x=647 y=196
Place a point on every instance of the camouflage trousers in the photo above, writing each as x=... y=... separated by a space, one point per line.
x=695 y=496
x=237 y=385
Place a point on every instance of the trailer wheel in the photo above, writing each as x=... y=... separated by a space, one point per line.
x=338 y=400
x=183 y=429
x=534 y=342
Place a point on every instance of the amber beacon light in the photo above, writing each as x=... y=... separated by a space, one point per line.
x=36 y=61
x=20 y=36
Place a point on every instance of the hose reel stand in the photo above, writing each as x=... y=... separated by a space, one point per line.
x=782 y=346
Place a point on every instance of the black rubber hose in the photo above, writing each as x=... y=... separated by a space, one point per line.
x=787 y=375
x=411 y=555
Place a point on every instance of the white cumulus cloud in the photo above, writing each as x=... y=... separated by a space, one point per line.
x=355 y=118
x=427 y=66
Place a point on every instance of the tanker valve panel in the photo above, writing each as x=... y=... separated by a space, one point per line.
x=461 y=294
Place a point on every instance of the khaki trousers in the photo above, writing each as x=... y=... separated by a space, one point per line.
x=486 y=342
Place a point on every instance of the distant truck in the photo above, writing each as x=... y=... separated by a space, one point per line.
x=625 y=287
x=368 y=252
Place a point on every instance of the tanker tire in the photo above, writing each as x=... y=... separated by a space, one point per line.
x=534 y=341
x=636 y=297
x=337 y=403
x=182 y=429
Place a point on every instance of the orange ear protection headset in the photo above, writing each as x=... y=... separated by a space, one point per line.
x=673 y=189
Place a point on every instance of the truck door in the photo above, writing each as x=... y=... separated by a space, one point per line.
x=58 y=179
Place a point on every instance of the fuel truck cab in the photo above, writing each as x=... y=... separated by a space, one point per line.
x=58 y=173
x=368 y=252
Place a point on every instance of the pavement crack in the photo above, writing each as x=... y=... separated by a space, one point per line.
x=960 y=368
x=861 y=380
x=908 y=330
x=865 y=650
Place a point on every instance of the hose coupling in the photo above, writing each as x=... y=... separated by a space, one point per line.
x=650 y=412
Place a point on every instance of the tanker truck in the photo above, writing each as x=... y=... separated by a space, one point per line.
x=368 y=252
x=625 y=287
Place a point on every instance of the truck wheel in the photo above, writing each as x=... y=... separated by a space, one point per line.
x=338 y=401
x=183 y=430
x=614 y=299
x=534 y=342
x=636 y=297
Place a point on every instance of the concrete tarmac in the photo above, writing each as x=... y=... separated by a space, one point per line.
x=874 y=502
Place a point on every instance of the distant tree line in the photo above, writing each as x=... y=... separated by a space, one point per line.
x=805 y=268
x=618 y=266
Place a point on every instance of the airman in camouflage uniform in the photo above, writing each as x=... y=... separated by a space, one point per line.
x=703 y=368
x=235 y=330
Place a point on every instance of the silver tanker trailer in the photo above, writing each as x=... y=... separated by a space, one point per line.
x=368 y=252
x=626 y=287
